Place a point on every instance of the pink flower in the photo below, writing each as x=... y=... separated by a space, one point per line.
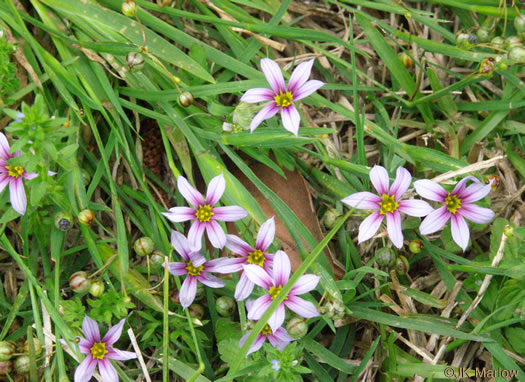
x=99 y=352
x=386 y=204
x=457 y=205
x=197 y=268
x=257 y=255
x=13 y=175
x=278 y=338
x=203 y=213
x=281 y=97
x=273 y=284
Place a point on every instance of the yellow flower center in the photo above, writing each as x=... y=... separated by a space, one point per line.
x=256 y=257
x=274 y=292
x=98 y=350
x=387 y=204
x=193 y=270
x=283 y=99
x=204 y=213
x=266 y=330
x=453 y=203
x=15 y=171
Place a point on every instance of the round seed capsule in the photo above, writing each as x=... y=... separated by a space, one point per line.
x=144 y=246
x=225 y=306
x=129 y=8
x=79 y=282
x=186 y=99
x=97 y=288
x=7 y=349
x=386 y=257
x=22 y=364
x=297 y=327
x=402 y=266
x=86 y=217
x=6 y=367
x=196 y=311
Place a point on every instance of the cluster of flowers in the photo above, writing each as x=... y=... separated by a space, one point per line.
x=454 y=206
x=269 y=271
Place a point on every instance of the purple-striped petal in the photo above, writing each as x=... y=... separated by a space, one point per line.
x=177 y=269
x=215 y=189
x=266 y=112
x=85 y=370
x=369 y=226
x=460 y=232
x=415 y=207
x=180 y=214
x=107 y=371
x=197 y=259
x=273 y=75
x=300 y=75
x=363 y=201
x=120 y=355
x=277 y=318
x=238 y=246
x=114 y=333
x=188 y=290
x=475 y=192
x=305 y=284
x=258 y=275
x=258 y=307
x=393 y=226
x=258 y=95
x=180 y=244
x=460 y=187
x=83 y=344
x=18 y=195
x=193 y=196
x=224 y=265
x=29 y=175
x=301 y=307
x=244 y=288
x=4 y=147
x=195 y=235
x=210 y=280
x=259 y=340
x=265 y=235
x=380 y=180
x=401 y=183
x=308 y=88
x=4 y=181
x=430 y=190
x=476 y=213
x=216 y=234
x=229 y=213
x=281 y=268
x=434 y=221
x=280 y=338
x=90 y=329
x=291 y=119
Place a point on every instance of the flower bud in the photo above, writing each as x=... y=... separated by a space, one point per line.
x=79 y=282
x=511 y=42
x=483 y=34
x=487 y=66
x=86 y=217
x=6 y=367
x=415 y=246
x=97 y=288
x=297 y=327
x=519 y=23
x=406 y=60
x=517 y=55
x=186 y=99
x=386 y=257
x=129 y=8
x=402 y=266
x=508 y=231
x=63 y=221
x=462 y=39
x=196 y=311
x=22 y=364
x=157 y=259
x=225 y=306
x=330 y=217
x=495 y=180
x=497 y=42
x=135 y=60
x=7 y=349
x=36 y=344
x=144 y=246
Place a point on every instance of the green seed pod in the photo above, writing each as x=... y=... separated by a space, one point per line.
x=517 y=55
x=225 y=306
x=157 y=259
x=415 y=246
x=97 y=288
x=402 y=266
x=483 y=35
x=297 y=327
x=501 y=62
x=497 y=42
x=196 y=311
x=79 y=282
x=508 y=231
x=519 y=23
x=406 y=60
x=129 y=8
x=36 y=344
x=512 y=41
x=386 y=257
x=186 y=99
x=144 y=246
x=86 y=217
x=6 y=368
x=330 y=217
x=63 y=221
x=7 y=349
x=135 y=60
x=462 y=40
x=22 y=364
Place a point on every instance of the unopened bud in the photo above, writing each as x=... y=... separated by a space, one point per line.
x=512 y=41
x=519 y=23
x=186 y=99
x=517 y=55
x=462 y=39
x=97 y=288
x=483 y=34
x=36 y=344
x=225 y=306
x=63 y=221
x=386 y=257
x=7 y=349
x=144 y=246
x=135 y=60
x=196 y=311
x=497 y=42
x=508 y=231
x=297 y=327
x=330 y=217
x=129 y=8
x=406 y=60
x=402 y=266
x=22 y=364
x=86 y=217
x=156 y=259
x=6 y=367
x=79 y=282
x=415 y=246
